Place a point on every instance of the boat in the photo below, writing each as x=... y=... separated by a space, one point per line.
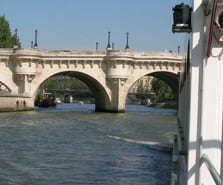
x=81 y=102
x=58 y=101
x=45 y=100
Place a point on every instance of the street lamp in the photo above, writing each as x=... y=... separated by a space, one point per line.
x=96 y=46
x=35 y=44
x=113 y=46
x=16 y=38
x=127 y=41
x=109 y=45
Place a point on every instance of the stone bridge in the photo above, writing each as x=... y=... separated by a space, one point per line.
x=109 y=74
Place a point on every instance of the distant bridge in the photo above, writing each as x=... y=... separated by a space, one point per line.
x=109 y=74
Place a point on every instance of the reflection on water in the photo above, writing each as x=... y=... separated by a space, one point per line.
x=72 y=144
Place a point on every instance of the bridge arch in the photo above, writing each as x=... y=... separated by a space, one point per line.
x=171 y=78
x=4 y=87
x=101 y=94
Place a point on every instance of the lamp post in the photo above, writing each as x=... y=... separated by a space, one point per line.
x=16 y=38
x=16 y=33
x=96 y=46
x=109 y=45
x=35 y=44
x=113 y=46
x=127 y=41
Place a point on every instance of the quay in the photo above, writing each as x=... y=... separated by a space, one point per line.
x=10 y=103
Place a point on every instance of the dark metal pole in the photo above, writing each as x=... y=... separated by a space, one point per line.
x=16 y=32
x=35 y=44
x=16 y=36
x=109 y=45
x=127 y=41
x=113 y=46
x=96 y=46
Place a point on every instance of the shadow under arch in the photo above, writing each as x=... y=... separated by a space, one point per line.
x=170 y=79
x=100 y=94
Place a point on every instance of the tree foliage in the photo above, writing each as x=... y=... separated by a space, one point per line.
x=143 y=88
x=161 y=90
x=7 y=40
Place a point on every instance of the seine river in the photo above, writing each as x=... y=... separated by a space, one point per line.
x=73 y=145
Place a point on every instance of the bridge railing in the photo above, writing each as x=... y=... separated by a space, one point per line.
x=34 y=51
x=215 y=175
x=142 y=54
x=146 y=53
x=75 y=52
x=90 y=52
x=6 y=50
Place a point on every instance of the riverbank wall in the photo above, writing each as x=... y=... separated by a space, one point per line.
x=10 y=103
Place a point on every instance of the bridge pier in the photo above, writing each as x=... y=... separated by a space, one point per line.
x=24 y=83
x=118 y=96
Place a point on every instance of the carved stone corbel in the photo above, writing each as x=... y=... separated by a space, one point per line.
x=30 y=77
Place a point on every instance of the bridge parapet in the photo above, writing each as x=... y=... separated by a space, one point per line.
x=119 y=63
x=6 y=51
x=116 y=54
x=72 y=53
x=143 y=54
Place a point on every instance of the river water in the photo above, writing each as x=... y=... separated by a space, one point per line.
x=73 y=145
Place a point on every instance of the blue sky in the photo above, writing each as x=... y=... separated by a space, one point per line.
x=79 y=24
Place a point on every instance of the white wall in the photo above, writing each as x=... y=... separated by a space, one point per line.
x=205 y=131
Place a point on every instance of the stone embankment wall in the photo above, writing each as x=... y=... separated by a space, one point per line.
x=15 y=103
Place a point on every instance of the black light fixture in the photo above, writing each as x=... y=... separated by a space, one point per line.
x=182 y=18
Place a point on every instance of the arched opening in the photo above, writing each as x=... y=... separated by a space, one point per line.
x=170 y=79
x=156 y=87
x=72 y=86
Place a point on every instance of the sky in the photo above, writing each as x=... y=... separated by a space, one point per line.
x=79 y=24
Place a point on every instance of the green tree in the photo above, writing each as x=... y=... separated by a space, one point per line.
x=161 y=90
x=142 y=88
x=7 y=40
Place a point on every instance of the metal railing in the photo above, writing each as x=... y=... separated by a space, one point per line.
x=215 y=175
